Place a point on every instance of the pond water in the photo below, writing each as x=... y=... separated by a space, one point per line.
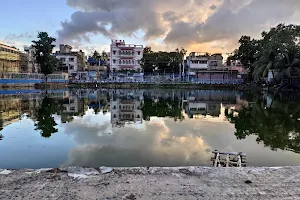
x=92 y=128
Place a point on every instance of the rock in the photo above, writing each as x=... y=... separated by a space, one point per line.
x=248 y=181
x=105 y=170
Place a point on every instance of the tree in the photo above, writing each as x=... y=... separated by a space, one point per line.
x=96 y=55
x=289 y=65
x=162 y=108
x=277 y=126
x=104 y=56
x=164 y=61
x=265 y=63
x=271 y=52
x=43 y=53
x=45 y=121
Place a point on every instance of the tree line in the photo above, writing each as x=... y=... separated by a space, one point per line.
x=162 y=61
x=277 y=51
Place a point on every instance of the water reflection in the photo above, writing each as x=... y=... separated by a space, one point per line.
x=275 y=120
x=145 y=127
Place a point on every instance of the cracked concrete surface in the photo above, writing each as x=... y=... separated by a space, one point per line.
x=152 y=183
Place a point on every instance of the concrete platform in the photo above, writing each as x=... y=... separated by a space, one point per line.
x=152 y=183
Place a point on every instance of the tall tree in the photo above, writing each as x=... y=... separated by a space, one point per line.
x=96 y=55
x=43 y=53
x=45 y=121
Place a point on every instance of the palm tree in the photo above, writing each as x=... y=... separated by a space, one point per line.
x=265 y=63
x=289 y=65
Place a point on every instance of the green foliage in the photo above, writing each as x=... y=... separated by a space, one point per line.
x=163 y=61
x=277 y=50
x=276 y=126
x=43 y=53
x=45 y=121
x=162 y=108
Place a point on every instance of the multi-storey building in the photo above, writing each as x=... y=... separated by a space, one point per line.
x=126 y=107
x=199 y=61
x=125 y=61
x=9 y=59
x=32 y=65
x=71 y=61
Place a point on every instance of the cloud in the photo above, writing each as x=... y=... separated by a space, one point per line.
x=19 y=36
x=176 y=22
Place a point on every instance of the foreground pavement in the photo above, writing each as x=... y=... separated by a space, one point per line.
x=151 y=183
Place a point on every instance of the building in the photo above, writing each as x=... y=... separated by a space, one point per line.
x=125 y=61
x=126 y=107
x=9 y=59
x=209 y=68
x=24 y=63
x=97 y=68
x=71 y=61
x=32 y=65
x=199 y=61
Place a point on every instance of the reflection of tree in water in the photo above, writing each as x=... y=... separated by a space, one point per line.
x=277 y=125
x=45 y=122
x=162 y=108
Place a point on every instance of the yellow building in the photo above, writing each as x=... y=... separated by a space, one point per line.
x=9 y=59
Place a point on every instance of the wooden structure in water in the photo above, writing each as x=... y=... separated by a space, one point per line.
x=228 y=159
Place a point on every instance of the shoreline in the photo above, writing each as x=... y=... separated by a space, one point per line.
x=152 y=183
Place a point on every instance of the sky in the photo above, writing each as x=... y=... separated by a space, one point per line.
x=197 y=25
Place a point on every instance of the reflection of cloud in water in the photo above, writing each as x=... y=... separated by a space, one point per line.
x=153 y=145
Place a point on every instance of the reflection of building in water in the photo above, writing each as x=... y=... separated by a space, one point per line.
x=125 y=107
x=98 y=100
x=195 y=108
x=10 y=109
x=72 y=106
x=207 y=102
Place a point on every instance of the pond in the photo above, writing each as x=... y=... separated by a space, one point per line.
x=117 y=128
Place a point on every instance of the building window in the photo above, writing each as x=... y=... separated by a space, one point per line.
x=120 y=62
x=139 y=61
x=139 y=53
x=72 y=108
x=114 y=61
x=71 y=67
x=63 y=59
x=115 y=116
x=114 y=52
x=71 y=59
x=123 y=61
x=72 y=101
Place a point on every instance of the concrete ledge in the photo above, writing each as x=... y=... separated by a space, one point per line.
x=151 y=183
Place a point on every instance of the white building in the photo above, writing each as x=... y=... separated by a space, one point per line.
x=126 y=108
x=201 y=61
x=125 y=61
x=72 y=62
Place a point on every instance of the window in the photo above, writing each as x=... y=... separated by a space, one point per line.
x=72 y=101
x=115 y=108
x=71 y=59
x=139 y=61
x=114 y=61
x=71 y=67
x=114 y=52
x=115 y=116
x=138 y=116
x=139 y=53
x=72 y=108
x=123 y=61
x=63 y=59
x=120 y=62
